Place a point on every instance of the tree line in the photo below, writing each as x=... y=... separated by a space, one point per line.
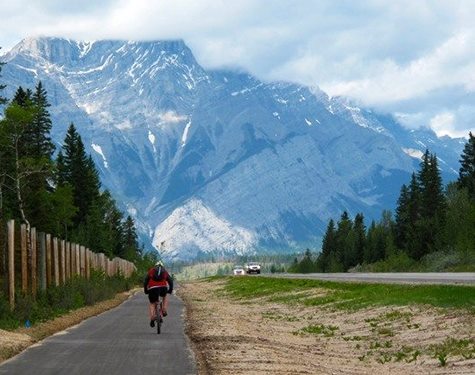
x=56 y=193
x=432 y=228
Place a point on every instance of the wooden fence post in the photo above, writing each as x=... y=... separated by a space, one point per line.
x=24 y=258
x=73 y=259
x=49 y=271
x=87 y=263
x=62 y=265
x=67 y=272
x=81 y=261
x=56 y=261
x=43 y=270
x=33 y=257
x=11 y=263
x=78 y=264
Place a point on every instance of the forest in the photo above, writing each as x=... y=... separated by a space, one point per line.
x=432 y=228
x=57 y=191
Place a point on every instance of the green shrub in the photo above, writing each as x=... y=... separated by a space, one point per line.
x=57 y=300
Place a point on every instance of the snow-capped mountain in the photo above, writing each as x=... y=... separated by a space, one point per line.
x=215 y=160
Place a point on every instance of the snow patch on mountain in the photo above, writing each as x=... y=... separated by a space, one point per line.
x=98 y=149
x=413 y=152
x=185 y=134
x=193 y=227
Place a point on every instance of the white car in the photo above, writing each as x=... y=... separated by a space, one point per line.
x=253 y=267
x=238 y=270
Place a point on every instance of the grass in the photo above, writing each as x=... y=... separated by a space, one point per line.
x=56 y=301
x=381 y=344
x=318 y=329
x=353 y=296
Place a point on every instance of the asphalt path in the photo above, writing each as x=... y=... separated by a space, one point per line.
x=399 y=278
x=119 y=341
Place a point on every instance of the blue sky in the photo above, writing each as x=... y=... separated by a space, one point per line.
x=415 y=59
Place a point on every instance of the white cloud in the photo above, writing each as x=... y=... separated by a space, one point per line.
x=396 y=56
x=443 y=123
x=171 y=117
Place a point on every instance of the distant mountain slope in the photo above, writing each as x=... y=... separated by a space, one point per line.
x=218 y=161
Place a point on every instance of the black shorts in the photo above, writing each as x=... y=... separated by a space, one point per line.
x=155 y=292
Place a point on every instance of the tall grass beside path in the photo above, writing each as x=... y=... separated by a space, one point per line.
x=56 y=301
x=351 y=295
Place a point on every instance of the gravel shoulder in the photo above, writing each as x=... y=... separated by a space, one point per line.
x=261 y=336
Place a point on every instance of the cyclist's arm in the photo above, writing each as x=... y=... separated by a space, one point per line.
x=145 y=284
x=170 y=284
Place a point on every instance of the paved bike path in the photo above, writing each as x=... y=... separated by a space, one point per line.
x=119 y=341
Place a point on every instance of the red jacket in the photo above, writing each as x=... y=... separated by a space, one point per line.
x=164 y=280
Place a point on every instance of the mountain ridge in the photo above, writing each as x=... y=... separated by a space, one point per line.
x=267 y=163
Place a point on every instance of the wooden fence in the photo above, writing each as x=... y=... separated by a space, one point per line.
x=38 y=260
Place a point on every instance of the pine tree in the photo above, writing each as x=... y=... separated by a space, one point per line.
x=130 y=239
x=467 y=167
x=345 y=243
x=360 y=239
x=22 y=97
x=433 y=206
x=413 y=241
x=61 y=176
x=42 y=145
x=402 y=218
x=79 y=171
x=329 y=248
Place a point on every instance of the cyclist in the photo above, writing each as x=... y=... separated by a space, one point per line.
x=158 y=282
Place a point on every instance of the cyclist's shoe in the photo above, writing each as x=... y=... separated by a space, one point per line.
x=165 y=313
x=152 y=323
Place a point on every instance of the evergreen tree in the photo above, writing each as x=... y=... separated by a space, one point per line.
x=329 y=248
x=130 y=239
x=61 y=176
x=345 y=242
x=22 y=97
x=79 y=171
x=307 y=265
x=433 y=205
x=467 y=166
x=39 y=134
x=413 y=241
x=402 y=218
x=460 y=222
x=369 y=255
x=360 y=239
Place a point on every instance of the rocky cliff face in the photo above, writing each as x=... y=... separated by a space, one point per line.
x=218 y=161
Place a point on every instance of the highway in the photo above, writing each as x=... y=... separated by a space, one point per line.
x=467 y=278
x=119 y=341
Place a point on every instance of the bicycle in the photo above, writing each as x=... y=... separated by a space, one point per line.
x=159 y=313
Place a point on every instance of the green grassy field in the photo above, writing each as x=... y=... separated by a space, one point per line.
x=353 y=296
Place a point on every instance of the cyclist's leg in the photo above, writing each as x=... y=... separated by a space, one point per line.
x=165 y=304
x=152 y=310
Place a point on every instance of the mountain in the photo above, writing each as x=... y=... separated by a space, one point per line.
x=217 y=161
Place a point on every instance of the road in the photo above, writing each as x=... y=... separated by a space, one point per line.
x=406 y=278
x=119 y=341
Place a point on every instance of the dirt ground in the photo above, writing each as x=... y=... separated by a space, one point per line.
x=13 y=342
x=260 y=337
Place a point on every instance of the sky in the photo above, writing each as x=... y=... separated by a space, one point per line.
x=412 y=58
